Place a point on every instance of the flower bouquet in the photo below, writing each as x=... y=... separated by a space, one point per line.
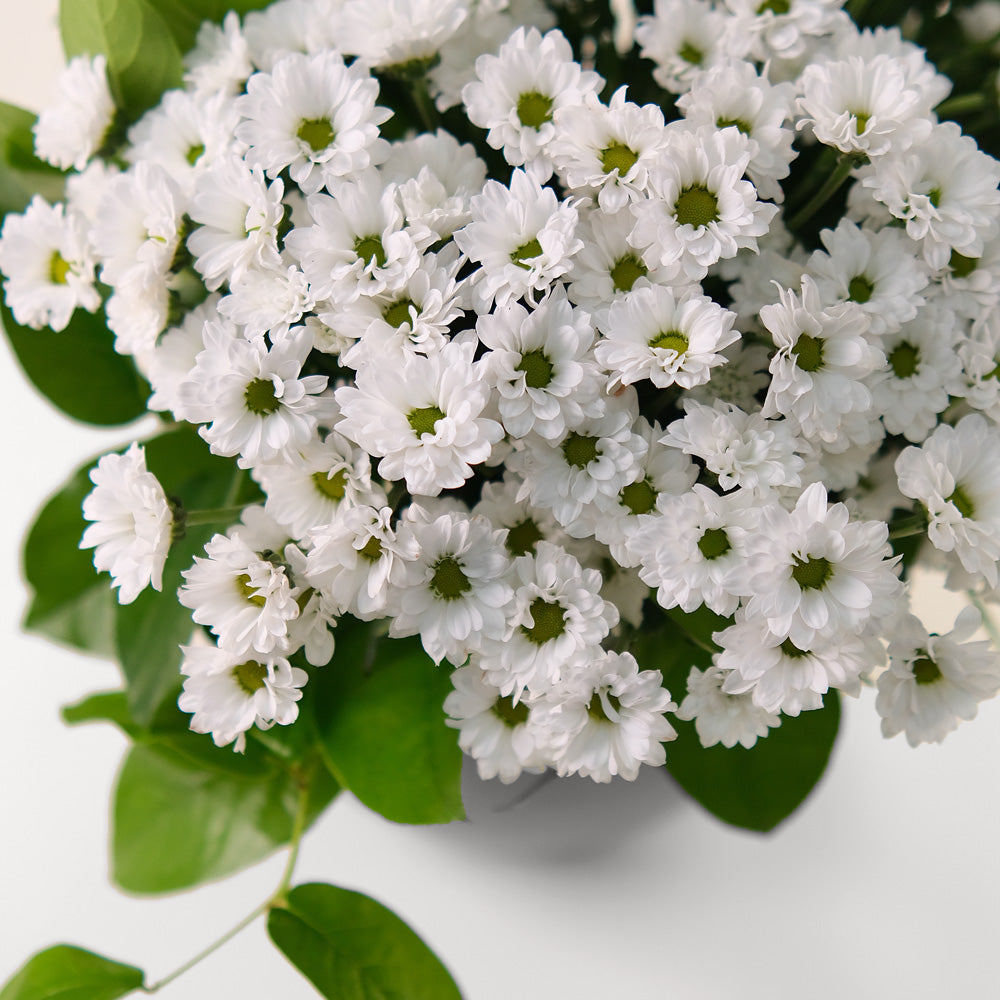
x=566 y=386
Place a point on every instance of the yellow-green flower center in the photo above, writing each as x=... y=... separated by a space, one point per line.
x=316 y=133
x=523 y=537
x=809 y=352
x=731 y=122
x=618 y=157
x=534 y=109
x=670 y=340
x=537 y=369
x=369 y=248
x=579 y=450
x=859 y=289
x=449 y=582
x=398 y=313
x=508 y=713
x=691 y=54
x=424 y=420
x=249 y=676
x=550 y=621
x=248 y=591
x=926 y=671
x=714 y=543
x=962 y=266
x=525 y=252
x=260 y=398
x=627 y=271
x=904 y=359
x=331 y=486
x=775 y=6
x=696 y=206
x=811 y=573
x=194 y=153
x=962 y=501
x=640 y=497
x=372 y=549
x=58 y=269
x=596 y=710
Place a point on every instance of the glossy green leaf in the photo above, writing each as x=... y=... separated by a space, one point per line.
x=757 y=788
x=150 y=630
x=69 y=603
x=65 y=972
x=352 y=948
x=78 y=370
x=379 y=710
x=183 y=17
x=178 y=823
x=22 y=174
x=143 y=56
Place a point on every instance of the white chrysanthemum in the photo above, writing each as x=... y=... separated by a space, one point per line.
x=784 y=31
x=955 y=475
x=862 y=106
x=700 y=209
x=245 y=600
x=556 y=622
x=934 y=681
x=723 y=718
x=219 y=63
x=607 y=151
x=668 y=338
x=522 y=236
x=227 y=695
x=781 y=677
x=610 y=721
x=734 y=95
x=740 y=380
x=814 y=573
x=69 y=132
x=287 y=26
x=980 y=356
x=255 y=400
x=540 y=365
x=133 y=523
x=423 y=418
x=267 y=300
x=742 y=449
x=518 y=91
x=454 y=593
x=313 y=116
x=48 y=265
x=495 y=732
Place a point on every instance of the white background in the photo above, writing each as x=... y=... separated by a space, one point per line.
x=885 y=885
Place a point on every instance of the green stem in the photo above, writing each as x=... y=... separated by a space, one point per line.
x=988 y=623
x=196 y=517
x=961 y=104
x=915 y=525
x=424 y=105
x=845 y=164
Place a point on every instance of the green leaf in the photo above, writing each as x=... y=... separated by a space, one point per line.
x=379 y=712
x=150 y=630
x=352 y=948
x=183 y=17
x=143 y=57
x=22 y=174
x=78 y=370
x=757 y=788
x=70 y=602
x=65 y=972
x=178 y=823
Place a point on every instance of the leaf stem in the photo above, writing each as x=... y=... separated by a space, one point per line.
x=961 y=104
x=915 y=525
x=989 y=625
x=196 y=517
x=845 y=164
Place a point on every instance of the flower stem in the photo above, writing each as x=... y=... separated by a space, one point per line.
x=915 y=525
x=845 y=164
x=988 y=623
x=961 y=104
x=196 y=517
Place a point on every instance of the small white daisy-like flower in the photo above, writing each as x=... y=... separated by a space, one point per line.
x=313 y=116
x=720 y=717
x=48 y=265
x=227 y=694
x=935 y=681
x=267 y=300
x=68 y=133
x=784 y=30
x=133 y=523
x=522 y=236
x=290 y=26
x=220 y=61
x=669 y=338
x=955 y=475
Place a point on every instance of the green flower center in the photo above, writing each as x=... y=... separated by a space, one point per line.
x=775 y=7
x=640 y=497
x=316 y=133
x=449 y=582
x=260 y=397
x=537 y=369
x=508 y=713
x=424 y=420
x=248 y=591
x=595 y=709
x=579 y=450
x=904 y=359
x=809 y=353
x=859 y=289
x=194 y=153
x=331 y=486
x=369 y=248
x=618 y=157
x=926 y=671
x=792 y=651
x=549 y=619
x=934 y=196
x=811 y=574
x=534 y=109
x=398 y=313
x=523 y=537
x=58 y=269
x=525 y=252
x=714 y=543
x=691 y=54
x=962 y=501
x=372 y=549
x=670 y=340
x=860 y=121
x=249 y=676
x=962 y=266
x=627 y=271
x=696 y=206
x=737 y=122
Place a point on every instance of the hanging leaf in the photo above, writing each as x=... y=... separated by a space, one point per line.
x=352 y=948
x=757 y=788
x=78 y=370
x=65 y=972
x=184 y=17
x=379 y=712
x=143 y=57
x=22 y=174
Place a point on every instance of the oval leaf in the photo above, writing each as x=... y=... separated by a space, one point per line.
x=22 y=174
x=352 y=948
x=184 y=17
x=78 y=370
x=379 y=711
x=65 y=972
x=757 y=788
x=143 y=57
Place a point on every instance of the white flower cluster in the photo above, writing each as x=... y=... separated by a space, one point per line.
x=501 y=412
